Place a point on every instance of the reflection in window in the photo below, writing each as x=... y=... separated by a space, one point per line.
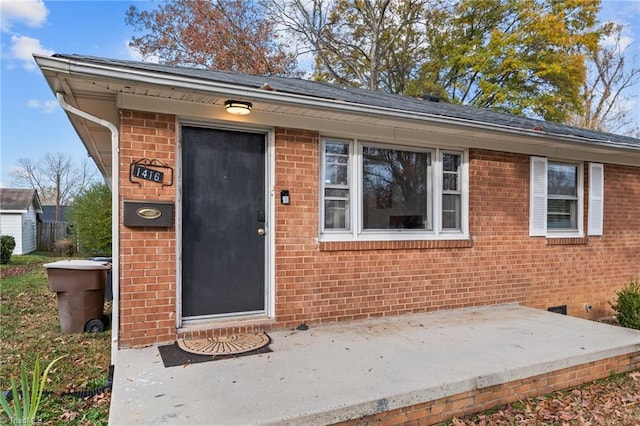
x=372 y=191
x=395 y=188
x=562 y=196
x=336 y=185
x=451 y=191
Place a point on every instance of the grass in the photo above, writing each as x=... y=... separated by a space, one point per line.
x=29 y=328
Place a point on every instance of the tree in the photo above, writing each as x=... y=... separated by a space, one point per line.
x=55 y=177
x=227 y=35
x=374 y=44
x=609 y=78
x=520 y=56
x=90 y=217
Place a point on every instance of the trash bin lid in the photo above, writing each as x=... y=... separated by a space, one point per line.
x=78 y=264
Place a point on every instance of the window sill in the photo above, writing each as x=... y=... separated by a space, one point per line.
x=394 y=245
x=558 y=241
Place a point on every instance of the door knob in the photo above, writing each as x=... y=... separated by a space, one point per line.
x=261 y=231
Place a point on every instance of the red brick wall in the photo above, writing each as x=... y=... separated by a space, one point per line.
x=330 y=281
x=147 y=255
x=319 y=282
x=477 y=400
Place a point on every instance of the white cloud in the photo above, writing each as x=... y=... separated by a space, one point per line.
x=30 y=12
x=612 y=41
x=135 y=55
x=23 y=47
x=47 y=106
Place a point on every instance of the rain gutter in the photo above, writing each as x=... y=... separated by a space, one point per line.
x=115 y=217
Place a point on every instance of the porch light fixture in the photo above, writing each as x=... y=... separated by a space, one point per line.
x=238 y=107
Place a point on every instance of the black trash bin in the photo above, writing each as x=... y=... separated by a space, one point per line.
x=79 y=287
x=108 y=288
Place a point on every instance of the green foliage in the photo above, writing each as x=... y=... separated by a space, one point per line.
x=7 y=244
x=627 y=305
x=26 y=399
x=518 y=56
x=90 y=216
x=29 y=326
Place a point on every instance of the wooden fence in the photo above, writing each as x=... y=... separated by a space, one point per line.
x=50 y=232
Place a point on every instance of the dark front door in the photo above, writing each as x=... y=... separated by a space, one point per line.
x=223 y=215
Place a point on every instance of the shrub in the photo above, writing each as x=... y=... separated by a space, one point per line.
x=7 y=244
x=627 y=305
x=64 y=246
x=90 y=215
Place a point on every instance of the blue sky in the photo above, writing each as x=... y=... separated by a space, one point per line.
x=31 y=122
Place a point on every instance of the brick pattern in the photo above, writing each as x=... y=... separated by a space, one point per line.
x=318 y=282
x=567 y=241
x=226 y=330
x=477 y=400
x=296 y=247
x=393 y=245
x=331 y=281
x=147 y=255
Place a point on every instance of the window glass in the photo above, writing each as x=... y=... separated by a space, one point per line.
x=562 y=196
x=395 y=186
x=373 y=191
x=450 y=172
x=561 y=214
x=562 y=179
x=335 y=214
x=336 y=163
x=336 y=185
x=451 y=194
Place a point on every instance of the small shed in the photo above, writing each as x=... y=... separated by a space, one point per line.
x=18 y=216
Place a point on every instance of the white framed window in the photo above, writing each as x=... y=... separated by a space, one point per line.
x=556 y=206
x=373 y=191
x=336 y=183
x=562 y=197
x=451 y=191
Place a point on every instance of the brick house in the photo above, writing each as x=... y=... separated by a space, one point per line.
x=319 y=203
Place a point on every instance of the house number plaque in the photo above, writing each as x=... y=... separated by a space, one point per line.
x=148 y=174
x=151 y=170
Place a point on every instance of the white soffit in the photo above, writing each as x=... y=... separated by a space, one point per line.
x=103 y=98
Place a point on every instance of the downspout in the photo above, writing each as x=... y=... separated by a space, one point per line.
x=115 y=216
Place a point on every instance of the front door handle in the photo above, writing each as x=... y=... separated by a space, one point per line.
x=261 y=231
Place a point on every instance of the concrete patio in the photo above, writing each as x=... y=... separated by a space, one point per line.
x=346 y=371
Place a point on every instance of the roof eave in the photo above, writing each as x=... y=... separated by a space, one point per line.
x=120 y=73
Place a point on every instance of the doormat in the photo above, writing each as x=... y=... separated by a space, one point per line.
x=173 y=356
x=225 y=345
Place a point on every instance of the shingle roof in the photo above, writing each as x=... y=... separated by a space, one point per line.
x=16 y=199
x=364 y=97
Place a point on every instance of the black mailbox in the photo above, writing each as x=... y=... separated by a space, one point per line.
x=148 y=213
